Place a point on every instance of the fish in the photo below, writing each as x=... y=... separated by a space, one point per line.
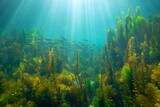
x=39 y=42
x=73 y=41
x=85 y=40
x=80 y=42
x=64 y=38
x=46 y=39
x=60 y=41
x=29 y=43
x=38 y=39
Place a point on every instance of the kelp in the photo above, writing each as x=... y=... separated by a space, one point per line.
x=36 y=71
x=133 y=49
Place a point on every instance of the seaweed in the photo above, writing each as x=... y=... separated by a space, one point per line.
x=36 y=71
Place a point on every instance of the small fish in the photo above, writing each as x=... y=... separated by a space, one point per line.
x=74 y=41
x=46 y=39
x=64 y=38
x=38 y=42
x=80 y=42
x=85 y=40
x=61 y=41
x=38 y=39
x=29 y=38
x=29 y=44
x=53 y=43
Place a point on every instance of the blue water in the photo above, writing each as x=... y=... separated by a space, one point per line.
x=74 y=19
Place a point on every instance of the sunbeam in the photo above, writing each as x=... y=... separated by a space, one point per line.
x=75 y=19
x=79 y=53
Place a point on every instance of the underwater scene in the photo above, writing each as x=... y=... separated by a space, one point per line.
x=79 y=53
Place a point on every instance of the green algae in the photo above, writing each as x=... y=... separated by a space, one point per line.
x=125 y=73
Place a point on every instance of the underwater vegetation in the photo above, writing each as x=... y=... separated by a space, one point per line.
x=39 y=72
